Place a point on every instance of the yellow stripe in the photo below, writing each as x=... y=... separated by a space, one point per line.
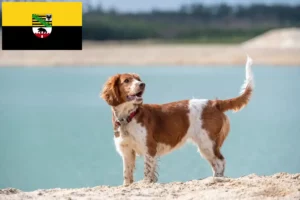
x=20 y=13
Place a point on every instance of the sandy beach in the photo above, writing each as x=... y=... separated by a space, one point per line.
x=278 y=186
x=143 y=53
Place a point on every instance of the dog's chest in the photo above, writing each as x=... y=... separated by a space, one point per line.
x=134 y=135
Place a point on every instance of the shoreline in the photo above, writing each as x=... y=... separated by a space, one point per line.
x=98 y=54
x=277 y=186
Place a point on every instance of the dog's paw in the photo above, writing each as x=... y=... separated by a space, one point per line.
x=127 y=183
x=218 y=175
x=146 y=181
x=149 y=181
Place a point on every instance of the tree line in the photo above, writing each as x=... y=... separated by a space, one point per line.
x=193 y=22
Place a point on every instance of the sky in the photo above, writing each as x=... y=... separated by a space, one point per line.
x=146 y=5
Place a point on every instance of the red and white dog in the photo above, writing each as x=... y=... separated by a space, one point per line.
x=153 y=130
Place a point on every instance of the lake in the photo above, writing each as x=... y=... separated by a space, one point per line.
x=55 y=131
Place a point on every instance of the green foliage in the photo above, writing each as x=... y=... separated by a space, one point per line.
x=110 y=27
x=191 y=23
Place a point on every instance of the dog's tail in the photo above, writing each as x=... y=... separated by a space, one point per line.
x=241 y=101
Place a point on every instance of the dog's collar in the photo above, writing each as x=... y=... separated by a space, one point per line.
x=127 y=119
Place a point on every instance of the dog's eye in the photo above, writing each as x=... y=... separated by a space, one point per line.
x=126 y=81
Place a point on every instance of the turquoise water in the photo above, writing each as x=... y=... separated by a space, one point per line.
x=55 y=131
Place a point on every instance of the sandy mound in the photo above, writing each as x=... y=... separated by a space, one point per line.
x=278 y=186
x=288 y=38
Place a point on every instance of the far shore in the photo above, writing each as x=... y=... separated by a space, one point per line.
x=144 y=53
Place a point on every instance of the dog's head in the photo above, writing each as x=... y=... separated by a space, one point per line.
x=123 y=88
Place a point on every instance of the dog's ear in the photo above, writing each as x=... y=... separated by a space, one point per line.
x=110 y=92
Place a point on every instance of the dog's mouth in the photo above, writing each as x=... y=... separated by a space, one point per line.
x=136 y=97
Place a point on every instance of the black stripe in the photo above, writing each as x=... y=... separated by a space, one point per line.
x=38 y=21
x=61 y=38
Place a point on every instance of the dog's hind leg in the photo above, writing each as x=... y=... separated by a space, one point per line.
x=211 y=153
x=218 y=163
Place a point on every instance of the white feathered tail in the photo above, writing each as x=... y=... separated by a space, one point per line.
x=241 y=101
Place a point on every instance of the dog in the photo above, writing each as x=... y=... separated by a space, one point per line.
x=153 y=130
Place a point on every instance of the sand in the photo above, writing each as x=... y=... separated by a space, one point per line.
x=107 y=54
x=278 y=47
x=288 y=38
x=278 y=186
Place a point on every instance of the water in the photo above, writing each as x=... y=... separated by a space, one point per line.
x=55 y=131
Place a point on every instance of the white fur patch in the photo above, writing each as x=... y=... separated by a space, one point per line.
x=136 y=139
x=195 y=107
x=124 y=109
x=163 y=149
x=198 y=135
x=135 y=85
x=249 y=82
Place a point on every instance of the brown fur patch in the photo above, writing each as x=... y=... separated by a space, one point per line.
x=216 y=124
x=236 y=103
x=165 y=123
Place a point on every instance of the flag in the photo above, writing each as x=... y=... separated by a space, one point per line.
x=41 y=25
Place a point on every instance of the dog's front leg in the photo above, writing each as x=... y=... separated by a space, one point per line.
x=150 y=169
x=128 y=156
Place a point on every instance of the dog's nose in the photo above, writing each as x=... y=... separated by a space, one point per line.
x=142 y=85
